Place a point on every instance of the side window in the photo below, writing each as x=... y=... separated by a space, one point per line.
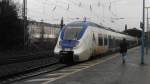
x=113 y=42
x=117 y=42
x=110 y=41
x=105 y=40
x=100 y=40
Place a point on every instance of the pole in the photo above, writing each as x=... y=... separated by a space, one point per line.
x=25 y=21
x=42 y=31
x=23 y=15
x=61 y=23
x=147 y=21
x=142 y=37
x=147 y=24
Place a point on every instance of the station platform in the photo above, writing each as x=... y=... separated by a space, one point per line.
x=108 y=70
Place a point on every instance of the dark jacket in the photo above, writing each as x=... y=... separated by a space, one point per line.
x=123 y=47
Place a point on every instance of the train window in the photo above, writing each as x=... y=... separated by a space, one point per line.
x=110 y=41
x=113 y=42
x=72 y=33
x=117 y=42
x=105 y=41
x=100 y=40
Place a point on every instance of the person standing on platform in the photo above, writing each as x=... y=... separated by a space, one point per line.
x=123 y=49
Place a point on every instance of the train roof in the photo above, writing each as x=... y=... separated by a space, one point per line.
x=80 y=23
x=88 y=23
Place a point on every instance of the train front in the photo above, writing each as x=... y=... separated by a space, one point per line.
x=68 y=46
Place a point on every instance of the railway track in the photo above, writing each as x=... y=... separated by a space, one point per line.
x=32 y=73
x=63 y=71
x=45 y=69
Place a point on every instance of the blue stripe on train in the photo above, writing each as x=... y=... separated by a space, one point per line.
x=69 y=43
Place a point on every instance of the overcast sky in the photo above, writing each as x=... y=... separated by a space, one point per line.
x=105 y=12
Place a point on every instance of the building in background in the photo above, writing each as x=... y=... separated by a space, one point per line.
x=38 y=30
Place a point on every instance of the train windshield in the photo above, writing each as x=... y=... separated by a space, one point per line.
x=72 y=33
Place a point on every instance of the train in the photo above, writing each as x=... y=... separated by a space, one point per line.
x=81 y=40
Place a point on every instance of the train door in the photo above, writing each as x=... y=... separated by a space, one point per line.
x=105 y=43
x=112 y=43
x=100 y=44
x=93 y=44
x=109 y=41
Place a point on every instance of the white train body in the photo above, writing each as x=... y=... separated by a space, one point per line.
x=79 y=41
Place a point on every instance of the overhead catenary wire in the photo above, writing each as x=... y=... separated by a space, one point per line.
x=75 y=4
x=68 y=4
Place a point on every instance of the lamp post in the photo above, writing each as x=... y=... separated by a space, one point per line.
x=142 y=37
